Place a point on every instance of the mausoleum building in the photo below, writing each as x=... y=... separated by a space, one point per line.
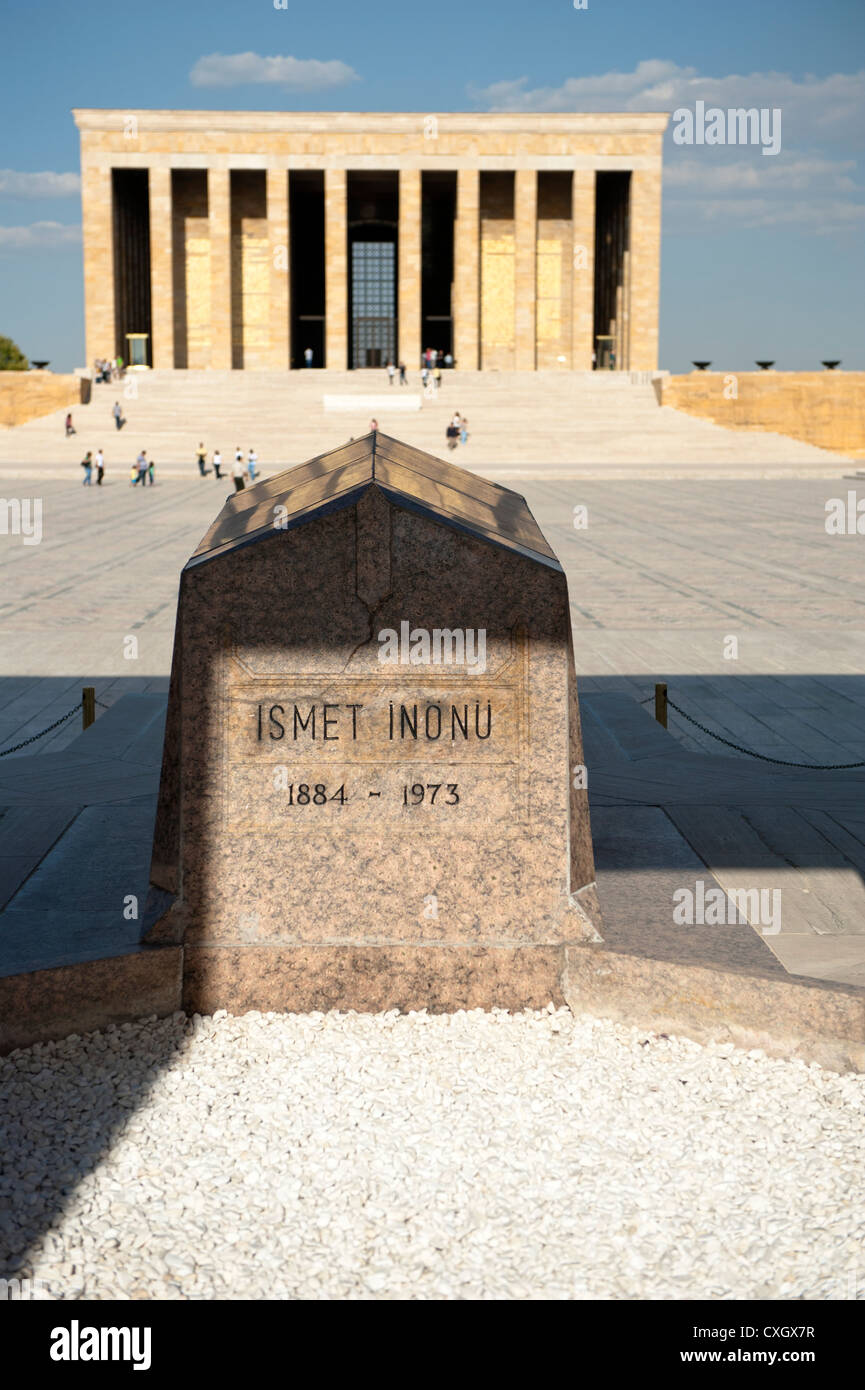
x=242 y=239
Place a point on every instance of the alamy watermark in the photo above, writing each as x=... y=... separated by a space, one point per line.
x=440 y=646
x=845 y=517
x=23 y=1290
x=736 y=126
x=712 y=906
x=21 y=516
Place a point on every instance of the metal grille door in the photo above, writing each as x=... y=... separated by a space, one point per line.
x=373 y=303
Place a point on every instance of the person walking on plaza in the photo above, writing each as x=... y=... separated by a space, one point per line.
x=201 y=456
x=217 y=463
x=70 y=429
x=118 y=415
x=464 y=430
x=238 y=472
x=373 y=426
x=150 y=467
x=437 y=376
x=307 y=357
x=238 y=459
x=391 y=373
x=87 y=465
x=100 y=467
x=402 y=376
x=141 y=465
x=252 y=464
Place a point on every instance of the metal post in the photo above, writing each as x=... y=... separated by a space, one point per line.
x=661 y=703
x=88 y=706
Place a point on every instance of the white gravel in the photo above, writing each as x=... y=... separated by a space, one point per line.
x=473 y=1155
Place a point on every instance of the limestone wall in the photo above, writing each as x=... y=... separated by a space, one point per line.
x=498 y=283
x=27 y=395
x=822 y=408
x=554 y=270
x=523 y=261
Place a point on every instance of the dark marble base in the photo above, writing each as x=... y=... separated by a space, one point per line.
x=369 y=979
x=786 y=1017
x=44 y=1004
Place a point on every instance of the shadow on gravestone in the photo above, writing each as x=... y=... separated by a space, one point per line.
x=371 y=792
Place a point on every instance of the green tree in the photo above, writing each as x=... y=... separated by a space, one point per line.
x=12 y=359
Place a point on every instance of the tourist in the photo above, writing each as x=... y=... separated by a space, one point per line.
x=238 y=459
x=100 y=467
x=437 y=376
x=150 y=468
x=449 y=361
x=70 y=429
x=252 y=464
x=141 y=469
x=424 y=375
x=217 y=462
x=373 y=426
x=391 y=373
x=451 y=435
x=402 y=375
x=201 y=456
x=464 y=430
x=238 y=472
x=307 y=357
x=118 y=415
x=87 y=465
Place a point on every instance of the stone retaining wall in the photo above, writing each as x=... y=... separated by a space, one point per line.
x=28 y=395
x=822 y=408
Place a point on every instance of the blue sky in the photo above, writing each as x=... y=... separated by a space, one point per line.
x=762 y=256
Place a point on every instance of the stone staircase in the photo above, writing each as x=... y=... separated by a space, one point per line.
x=601 y=424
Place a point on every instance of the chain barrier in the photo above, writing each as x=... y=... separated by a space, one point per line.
x=56 y=725
x=764 y=757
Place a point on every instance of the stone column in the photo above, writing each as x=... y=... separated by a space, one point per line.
x=161 y=269
x=525 y=268
x=645 y=267
x=219 y=218
x=280 y=268
x=335 y=269
x=465 y=306
x=409 y=274
x=98 y=236
x=583 y=271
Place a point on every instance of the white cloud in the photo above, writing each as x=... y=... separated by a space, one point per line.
x=15 y=184
x=821 y=216
x=809 y=184
x=815 y=109
x=792 y=175
x=241 y=69
x=47 y=235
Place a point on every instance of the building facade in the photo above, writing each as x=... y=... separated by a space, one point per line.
x=233 y=239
